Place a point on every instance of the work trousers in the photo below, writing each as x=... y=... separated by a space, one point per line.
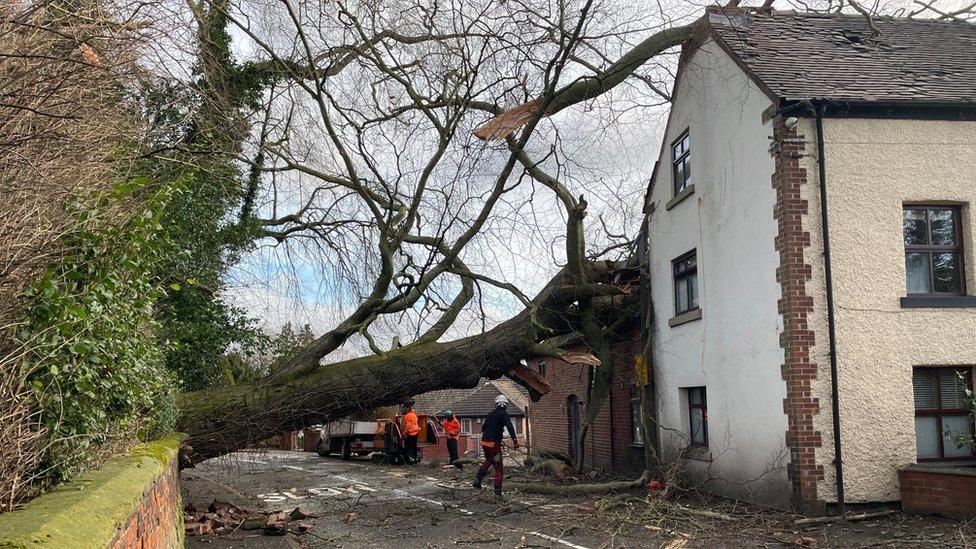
x=452 y=449
x=410 y=444
x=493 y=458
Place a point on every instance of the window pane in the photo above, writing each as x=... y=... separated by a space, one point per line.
x=952 y=390
x=695 y=396
x=917 y=273
x=693 y=285
x=943 y=227
x=697 y=426
x=926 y=437
x=679 y=177
x=953 y=427
x=681 y=295
x=913 y=226
x=924 y=385
x=686 y=142
x=945 y=267
x=687 y=163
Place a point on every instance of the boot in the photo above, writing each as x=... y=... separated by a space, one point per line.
x=498 y=491
x=477 y=479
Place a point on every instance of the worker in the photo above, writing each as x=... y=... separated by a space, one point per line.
x=492 y=433
x=452 y=432
x=411 y=429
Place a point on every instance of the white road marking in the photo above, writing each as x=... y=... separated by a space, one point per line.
x=246 y=460
x=441 y=504
x=554 y=539
x=294 y=467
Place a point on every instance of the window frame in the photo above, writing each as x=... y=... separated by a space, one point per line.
x=468 y=423
x=684 y=157
x=704 y=411
x=931 y=249
x=542 y=368
x=636 y=432
x=940 y=412
x=675 y=277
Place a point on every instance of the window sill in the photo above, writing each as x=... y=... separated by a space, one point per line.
x=954 y=301
x=699 y=453
x=686 y=317
x=688 y=191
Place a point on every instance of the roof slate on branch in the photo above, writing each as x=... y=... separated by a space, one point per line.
x=798 y=56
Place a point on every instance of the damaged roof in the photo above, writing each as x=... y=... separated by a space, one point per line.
x=797 y=56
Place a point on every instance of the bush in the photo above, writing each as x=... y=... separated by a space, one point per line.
x=94 y=363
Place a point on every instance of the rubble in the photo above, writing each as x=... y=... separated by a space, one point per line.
x=222 y=517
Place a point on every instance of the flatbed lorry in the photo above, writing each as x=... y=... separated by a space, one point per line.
x=382 y=438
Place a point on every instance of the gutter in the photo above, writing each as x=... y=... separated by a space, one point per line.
x=819 y=110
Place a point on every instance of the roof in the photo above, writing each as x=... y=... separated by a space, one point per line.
x=474 y=402
x=797 y=56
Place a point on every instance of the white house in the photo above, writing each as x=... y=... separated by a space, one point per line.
x=810 y=236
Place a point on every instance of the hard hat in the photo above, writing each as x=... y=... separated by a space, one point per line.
x=501 y=400
x=449 y=414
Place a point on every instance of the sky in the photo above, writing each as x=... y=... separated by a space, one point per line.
x=606 y=151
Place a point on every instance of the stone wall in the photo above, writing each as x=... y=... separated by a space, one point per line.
x=131 y=501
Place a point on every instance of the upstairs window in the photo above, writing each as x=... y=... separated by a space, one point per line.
x=941 y=413
x=685 y=283
x=933 y=250
x=681 y=162
x=542 y=368
x=698 y=416
x=465 y=426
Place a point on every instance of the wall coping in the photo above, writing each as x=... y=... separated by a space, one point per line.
x=939 y=470
x=87 y=511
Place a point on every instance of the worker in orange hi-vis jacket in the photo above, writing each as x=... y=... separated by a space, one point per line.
x=411 y=429
x=452 y=432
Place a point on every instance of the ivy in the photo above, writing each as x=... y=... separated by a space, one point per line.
x=95 y=363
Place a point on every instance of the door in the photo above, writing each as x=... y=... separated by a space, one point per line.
x=573 y=411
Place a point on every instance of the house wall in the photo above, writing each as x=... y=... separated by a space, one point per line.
x=734 y=349
x=873 y=167
x=608 y=443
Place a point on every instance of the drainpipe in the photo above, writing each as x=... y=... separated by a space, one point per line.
x=831 y=331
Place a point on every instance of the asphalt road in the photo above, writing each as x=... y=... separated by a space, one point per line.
x=362 y=504
x=394 y=506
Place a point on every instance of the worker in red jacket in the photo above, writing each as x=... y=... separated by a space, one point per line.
x=452 y=432
x=492 y=433
x=411 y=429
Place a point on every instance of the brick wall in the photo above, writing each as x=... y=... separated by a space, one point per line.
x=608 y=442
x=157 y=522
x=798 y=370
x=439 y=450
x=943 y=491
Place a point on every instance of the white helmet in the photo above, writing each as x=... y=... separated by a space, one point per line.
x=501 y=400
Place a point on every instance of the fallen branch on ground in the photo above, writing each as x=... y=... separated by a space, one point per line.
x=844 y=518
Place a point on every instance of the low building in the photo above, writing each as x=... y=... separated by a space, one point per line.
x=470 y=406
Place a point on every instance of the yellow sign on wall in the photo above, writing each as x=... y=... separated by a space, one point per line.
x=640 y=370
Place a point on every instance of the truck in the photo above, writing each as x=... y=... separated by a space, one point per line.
x=381 y=438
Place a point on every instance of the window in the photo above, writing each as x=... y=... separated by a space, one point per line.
x=465 y=426
x=933 y=250
x=681 y=162
x=941 y=413
x=636 y=433
x=698 y=416
x=685 y=283
x=542 y=368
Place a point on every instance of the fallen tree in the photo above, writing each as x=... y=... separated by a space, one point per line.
x=225 y=419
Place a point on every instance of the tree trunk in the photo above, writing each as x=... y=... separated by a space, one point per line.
x=225 y=419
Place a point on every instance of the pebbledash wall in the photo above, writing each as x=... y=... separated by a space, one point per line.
x=130 y=502
x=734 y=350
x=873 y=168
x=609 y=443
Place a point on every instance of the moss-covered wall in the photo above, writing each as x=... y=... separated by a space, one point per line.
x=133 y=500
